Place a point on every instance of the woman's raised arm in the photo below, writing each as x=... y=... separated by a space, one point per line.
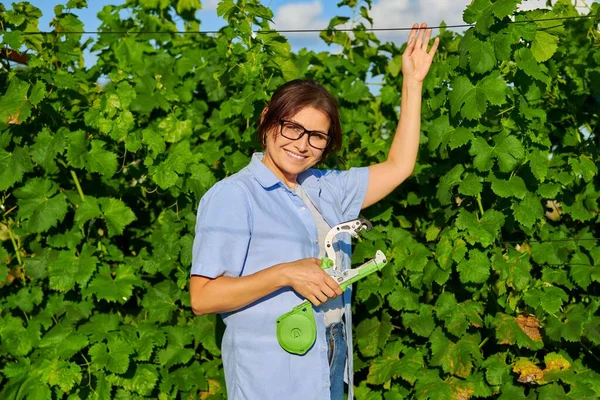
x=386 y=176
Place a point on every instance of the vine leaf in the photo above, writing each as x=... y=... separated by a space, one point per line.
x=40 y=205
x=507 y=150
x=13 y=166
x=60 y=373
x=497 y=371
x=550 y=298
x=570 y=328
x=528 y=211
x=482 y=12
x=513 y=187
x=472 y=100
x=458 y=317
x=116 y=214
x=14 y=107
x=403 y=299
x=454 y=358
x=176 y=352
x=422 y=323
x=383 y=369
x=484 y=230
x=369 y=344
x=160 y=301
x=113 y=357
x=527 y=62
x=86 y=210
x=522 y=331
x=47 y=146
x=114 y=286
x=477 y=53
x=100 y=160
x=476 y=269
x=471 y=185
x=68 y=269
x=544 y=46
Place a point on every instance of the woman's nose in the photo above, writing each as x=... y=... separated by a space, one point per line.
x=302 y=143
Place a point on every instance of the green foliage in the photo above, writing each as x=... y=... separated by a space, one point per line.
x=491 y=245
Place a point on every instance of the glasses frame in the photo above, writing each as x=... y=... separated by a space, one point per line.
x=305 y=131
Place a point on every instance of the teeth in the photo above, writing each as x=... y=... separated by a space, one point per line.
x=295 y=156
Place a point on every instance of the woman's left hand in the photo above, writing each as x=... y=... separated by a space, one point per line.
x=416 y=60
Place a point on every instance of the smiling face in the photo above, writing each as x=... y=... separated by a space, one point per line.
x=286 y=158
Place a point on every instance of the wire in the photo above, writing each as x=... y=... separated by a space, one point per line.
x=549 y=240
x=571 y=264
x=292 y=30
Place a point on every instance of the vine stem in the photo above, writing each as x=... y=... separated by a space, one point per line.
x=589 y=351
x=484 y=341
x=505 y=111
x=14 y=243
x=479 y=203
x=77 y=185
x=88 y=364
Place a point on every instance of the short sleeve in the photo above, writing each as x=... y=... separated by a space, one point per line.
x=223 y=230
x=351 y=188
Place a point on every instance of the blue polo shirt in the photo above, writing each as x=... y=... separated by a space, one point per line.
x=251 y=221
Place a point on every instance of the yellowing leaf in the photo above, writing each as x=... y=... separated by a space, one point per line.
x=544 y=46
x=14 y=107
x=528 y=371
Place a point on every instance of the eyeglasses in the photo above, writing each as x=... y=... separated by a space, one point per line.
x=293 y=131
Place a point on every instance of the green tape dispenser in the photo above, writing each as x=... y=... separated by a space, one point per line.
x=296 y=329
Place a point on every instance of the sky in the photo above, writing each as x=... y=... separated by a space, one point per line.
x=309 y=14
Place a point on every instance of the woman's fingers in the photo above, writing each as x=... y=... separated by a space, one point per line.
x=412 y=39
x=315 y=302
x=436 y=42
x=420 y=35
x=322 y=297
x=328 y=291
x=313 y=283
x=427 y=37
x=413 y=31
x=335 y=287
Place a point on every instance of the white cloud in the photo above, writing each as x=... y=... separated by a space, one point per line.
x=298 y=16
x=209 y=5
x=404 y=13
x=528 y=5
x=302 y=15
x=309 y=14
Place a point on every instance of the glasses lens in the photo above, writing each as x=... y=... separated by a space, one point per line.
x=291 y=131
x=318 y=140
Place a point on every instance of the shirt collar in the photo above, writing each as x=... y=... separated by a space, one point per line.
x=261 y=172
x=268 y=179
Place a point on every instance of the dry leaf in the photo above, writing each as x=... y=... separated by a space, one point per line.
x=555 y=210
x=530 y=325
x=529 y=372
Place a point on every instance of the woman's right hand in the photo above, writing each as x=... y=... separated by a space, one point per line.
x=309 y=280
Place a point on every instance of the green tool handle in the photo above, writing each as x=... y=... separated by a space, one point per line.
x=363 y=272
x=326 y=263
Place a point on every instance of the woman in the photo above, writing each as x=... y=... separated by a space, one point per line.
x=259 y=237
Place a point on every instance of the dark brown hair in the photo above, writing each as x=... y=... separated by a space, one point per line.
x=293 y=96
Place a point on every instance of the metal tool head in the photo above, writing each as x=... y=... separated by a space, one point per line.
x=352 y=227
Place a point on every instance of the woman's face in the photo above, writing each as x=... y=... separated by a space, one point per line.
x=286 y=157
